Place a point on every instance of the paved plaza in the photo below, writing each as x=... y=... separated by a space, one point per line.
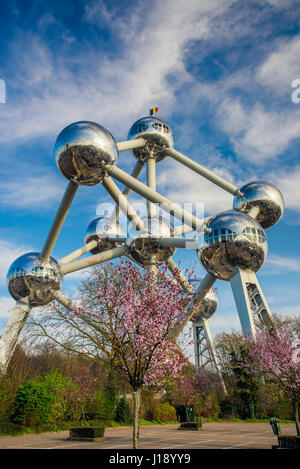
x=215 y=435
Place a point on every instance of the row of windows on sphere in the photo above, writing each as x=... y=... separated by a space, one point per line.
x=138 y=128
x=225 y=234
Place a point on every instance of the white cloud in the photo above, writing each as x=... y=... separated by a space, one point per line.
x=8 y=253
x=31 y=192
x=287 y=310
x=284 y=263
x=224 y=322
x=281 y=67
x=257 y=134
x=182 y=184
x=288 y=181
x=154 y=45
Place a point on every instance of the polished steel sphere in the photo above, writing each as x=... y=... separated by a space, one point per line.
x=82 y=150
x=209 y=303
x=264 y=195
x=143 y=245
x=235 y=240
x=108 y=235
x=27 y=278
x=157 y=134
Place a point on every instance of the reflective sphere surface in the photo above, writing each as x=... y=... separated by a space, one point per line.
x=82 y=150
x=107 y=235
x=26 y=278
x=264 y=195
x=209 y=303
x=158 y=135
x=143 y=245
x=235 y=240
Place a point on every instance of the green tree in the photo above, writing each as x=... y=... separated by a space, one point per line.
x=56 y=383
x=246 y=384
x=122 y=411
x=33 y=404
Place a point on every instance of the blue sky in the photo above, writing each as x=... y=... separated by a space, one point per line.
x=220 y=72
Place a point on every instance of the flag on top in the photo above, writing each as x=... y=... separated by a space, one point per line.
x=153 y=111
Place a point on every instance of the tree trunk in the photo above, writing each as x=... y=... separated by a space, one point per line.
x=252 y=411
x=296 y=417
x=83 y=414
x=136 y=418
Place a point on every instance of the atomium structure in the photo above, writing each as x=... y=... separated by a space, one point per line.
x=231 y=246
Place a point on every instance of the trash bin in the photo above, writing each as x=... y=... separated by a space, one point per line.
x=185 y=413
x=181 y=413
x=274 y=422
x=190 y=413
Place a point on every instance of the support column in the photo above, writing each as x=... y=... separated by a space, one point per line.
x=252 y=307
x=12 y=331
x=205 y=354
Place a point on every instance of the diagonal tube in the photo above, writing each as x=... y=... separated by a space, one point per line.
x=92 y=244
x=92 y=260
x=227 y=186
x=193 y=306
x=78 y=252
x=254 y=212
x=131 y=144
x=146 y=192
x=135 y=173
x=173 y=267
x=65 y=300
x=123 y=203
x=182 y=229
x=58 y=221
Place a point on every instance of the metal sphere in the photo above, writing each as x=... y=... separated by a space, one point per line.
x=82 y=150
x=143 y=245
x=108 y=235
x=264 y=195
x=209 y=303
x=157 y=134
x=27 y=278
x=235 y=240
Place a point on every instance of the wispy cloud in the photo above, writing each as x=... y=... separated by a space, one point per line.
x=258 y=134
x=8 y=253
x=50 y=95
x=284 y=263
x=287 y=310
x=281 y=66
x=288 y=180
x=31 y=192
x=181 y=183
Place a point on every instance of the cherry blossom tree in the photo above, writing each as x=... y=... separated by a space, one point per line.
x=275 y=353
x=124 y=320
x=184 y=389
x=79 y=390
